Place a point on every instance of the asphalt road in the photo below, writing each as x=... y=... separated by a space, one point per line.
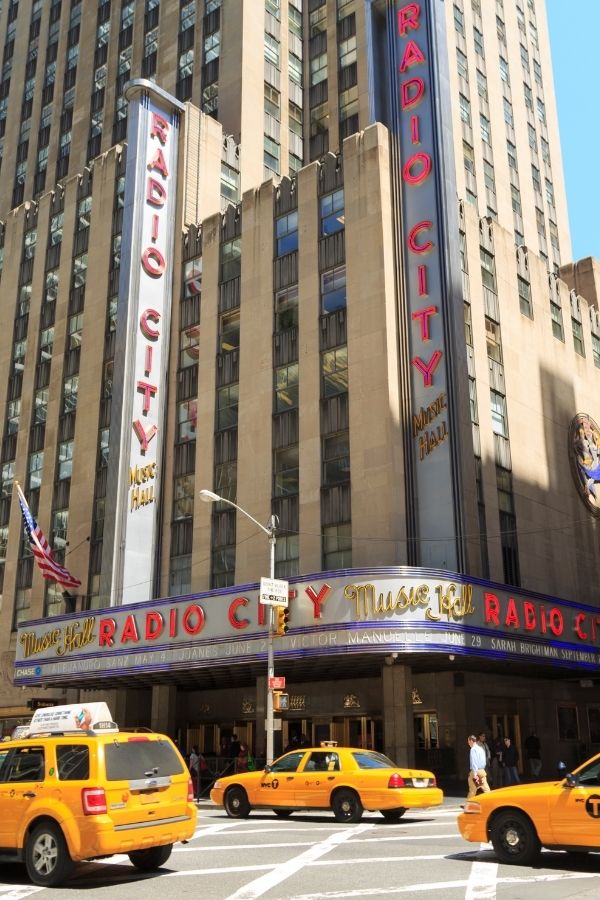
x=312 y=857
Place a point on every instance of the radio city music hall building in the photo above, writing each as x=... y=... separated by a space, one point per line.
x=234 y=259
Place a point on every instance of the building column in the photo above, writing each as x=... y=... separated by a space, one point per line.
x=164 y=708
x=398 y=733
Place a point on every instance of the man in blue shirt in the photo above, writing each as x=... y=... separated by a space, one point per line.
x=477 y=762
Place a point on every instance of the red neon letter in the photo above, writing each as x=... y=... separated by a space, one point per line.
x=188 y=624
x=130 y=632
x=412 y=56
x=144 y=437
x=159 y=128
x=154 y=625
x=317 y=599
x=150 y=315
x=158 y=162
x=232 y=613
x=529 y=615
x=424 y=160
x=106 y=632
x=512 y=616
x=408 y=17
x=579 y=620
x=155 y=193
x=422 y=281
x=412 y=237
x=153 y=262
x=149 y=391
x=556 y=621
x=427 y=369
x=406 y=101
x=423 y=315
x=492 y=609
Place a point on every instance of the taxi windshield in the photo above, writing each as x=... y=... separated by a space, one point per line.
x=131 y=759
x=589 y=774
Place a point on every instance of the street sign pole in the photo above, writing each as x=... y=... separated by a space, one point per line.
x=270 y=661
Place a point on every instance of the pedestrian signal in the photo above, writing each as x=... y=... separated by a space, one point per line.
x=282 y=618
x=281 y=701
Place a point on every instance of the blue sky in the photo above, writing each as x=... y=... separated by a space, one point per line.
x=574 y=36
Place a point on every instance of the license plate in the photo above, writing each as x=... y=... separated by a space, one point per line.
x=420 y=782
x=151 y=797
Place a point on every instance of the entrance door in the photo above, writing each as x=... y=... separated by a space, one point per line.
x=498 y=726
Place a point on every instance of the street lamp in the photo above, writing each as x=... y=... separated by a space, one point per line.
x=269 y=530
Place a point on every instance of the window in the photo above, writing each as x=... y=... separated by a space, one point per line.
x=227 y=406
x=187 y=418
x=482 y=88
x=537 y=72
x=272 y=101
x=484 y=127
x=286 y=308
x=7 y=477
x=337 y=546
x=488 y=269
x=465 y=109
x=80 y=270
x=286 y=233
x=286 y=387
x=469 y=158
x=318 y=20
x=295 y=68
x=347 y=52
x=540 y=222
x=41 y=407
x=51 y=292
x=596 y=349
x=271 y=49
x=488 y=175
x=532 y=137
x=333 y=290
x=492 y=338
x=331 y=209
x=336 y=458
x=527 y=92
x=318 y=69
x=334 y=372
x=65 y=460
x=459 y=20
x=229 y=331
x=461 y=64
x=541 y=110
x=75 y=330
x=545 y=150
x=504 y=70
x=512 y=155
x=525 y=297
x=499 y=423
x=478 y=39
x=524 y=57
x=557 y=321
x=348 y=101
x=473 y=401
x=226 y=480
x=183 y=497
x=189 y=340
x=508 y=111
x=515 y=195
x=578 y=337
x=271 y=154
x=231 y=259
x=36 y=466
x=180 y=575
x=13 y=413
x=568 y=723
x=286 y=470
x=29 y=242
x=70 y=389
x=319 y=119
x=192 y=277
x=19 y=351
x=549 y=191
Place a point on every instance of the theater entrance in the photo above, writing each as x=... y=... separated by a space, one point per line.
x=355 y=731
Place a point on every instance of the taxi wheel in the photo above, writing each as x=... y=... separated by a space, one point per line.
x=47 y=857
x=392 y=815
x=236 y=803
x=283 y=813
x=152 y=858
x=346 y=806
x=514 y=839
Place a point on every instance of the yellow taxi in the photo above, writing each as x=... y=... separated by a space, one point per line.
x=521 y=819
x=76 y=788
x=347 y=780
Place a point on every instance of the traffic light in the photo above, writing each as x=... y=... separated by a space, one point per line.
x=282 y=618
x=281 y=701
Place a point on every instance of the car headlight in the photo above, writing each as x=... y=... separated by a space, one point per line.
x=217 y=785
x=472 y=807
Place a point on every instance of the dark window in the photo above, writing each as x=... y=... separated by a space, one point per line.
x=73 y=762
x=135 y=758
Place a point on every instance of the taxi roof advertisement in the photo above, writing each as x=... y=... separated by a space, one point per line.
x=400 y=610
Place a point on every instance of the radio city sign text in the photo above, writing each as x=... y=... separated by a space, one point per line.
x=409 y=600
x=427 y=348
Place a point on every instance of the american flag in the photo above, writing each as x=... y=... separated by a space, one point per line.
x=40 y=548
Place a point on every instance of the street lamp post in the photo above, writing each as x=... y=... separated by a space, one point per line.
x=269 y=530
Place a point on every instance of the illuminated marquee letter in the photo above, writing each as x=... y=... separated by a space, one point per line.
x=158 y=163
x=144 y=437
x=150 y=315
x=412 y=237
x=421 y=159
x=159 y=128
x=155 y=193
x=408 y=17
x=412 y=56
x=153 y=262
x=427 y=369
x=406 y=98
x=423 y=315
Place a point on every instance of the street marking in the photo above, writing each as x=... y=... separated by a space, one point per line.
x=281 y=873
x=483 y=879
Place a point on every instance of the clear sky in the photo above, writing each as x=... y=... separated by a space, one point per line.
x=575 y=40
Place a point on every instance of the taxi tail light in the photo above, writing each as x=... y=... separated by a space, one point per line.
x=396 y=781
x=190 y=791
x=93 y=801
x=433 y=781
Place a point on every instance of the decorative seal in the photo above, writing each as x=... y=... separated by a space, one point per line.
x=584 y=457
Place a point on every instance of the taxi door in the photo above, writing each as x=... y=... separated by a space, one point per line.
x=575 y=815
x=317 y=779
x=278 y=786
x=21 y=783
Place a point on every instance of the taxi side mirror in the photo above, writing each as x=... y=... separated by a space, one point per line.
x=267 y=769
x=571 y=780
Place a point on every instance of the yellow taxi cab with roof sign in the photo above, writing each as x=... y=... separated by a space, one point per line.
x=346 y=780
x=76 y=788
x=521 y=819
